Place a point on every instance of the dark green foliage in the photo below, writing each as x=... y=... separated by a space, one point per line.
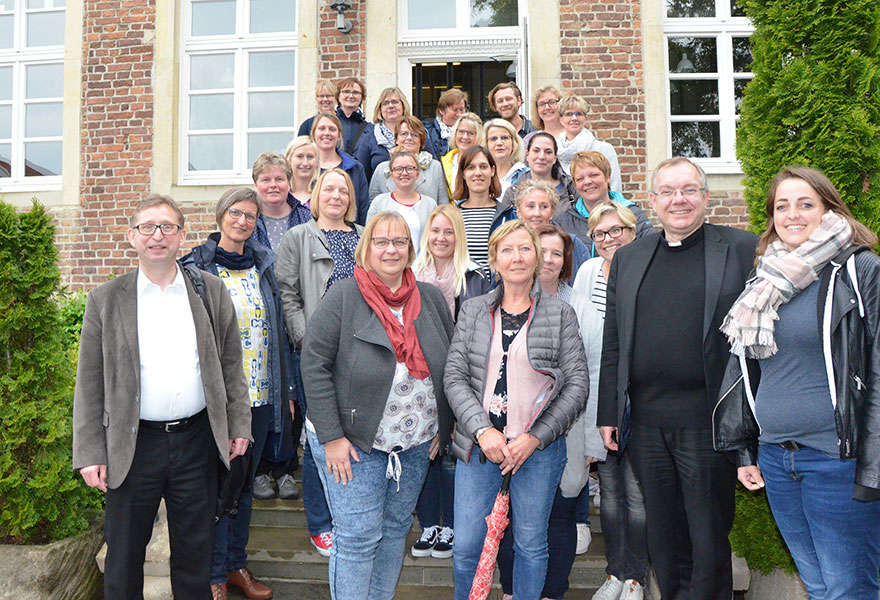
x=72 y=307
x=41 y=497
x=755 y=536
x=815 y=99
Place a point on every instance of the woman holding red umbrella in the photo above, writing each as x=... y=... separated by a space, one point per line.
x=516 y=379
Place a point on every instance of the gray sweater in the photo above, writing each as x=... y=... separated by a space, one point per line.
x=554 y=347
x=348 y=364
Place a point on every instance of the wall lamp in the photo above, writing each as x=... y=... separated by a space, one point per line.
x=342 y=24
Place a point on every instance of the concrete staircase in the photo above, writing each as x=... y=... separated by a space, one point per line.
x=280 y=555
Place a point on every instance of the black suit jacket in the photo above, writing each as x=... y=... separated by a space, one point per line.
x=730 y=254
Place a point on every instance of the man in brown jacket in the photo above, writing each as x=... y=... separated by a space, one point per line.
x=160 y=392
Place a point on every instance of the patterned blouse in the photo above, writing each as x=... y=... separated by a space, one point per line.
x=341 y=245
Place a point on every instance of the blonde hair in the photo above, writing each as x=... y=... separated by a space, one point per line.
x=590 y=158
x=474 y=120
x=610 y=207
x=532 y=185
x=504 y=230
x=461 y=258
x=536 y=114
x=363 y=248
x=572 y=101
x=383 y=95
x=268 y=160
x=294 y=145
x=314 y=204
x=518 y=151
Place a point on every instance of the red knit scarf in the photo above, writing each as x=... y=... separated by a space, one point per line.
x=403 y=337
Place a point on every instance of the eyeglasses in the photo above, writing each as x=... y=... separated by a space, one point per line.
x=150 y=228
x=382 y=242
x=499 y=138
x=350 y=93
x=237 y=214
x=400 y=170
x=688 y=193
x=387 y=103
x=407 y=135
x=574 y=114
x=548 y=103
x=325 y=96
x=613 y=233
x=466 y=133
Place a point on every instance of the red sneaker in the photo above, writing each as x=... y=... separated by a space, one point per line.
x=323 y=543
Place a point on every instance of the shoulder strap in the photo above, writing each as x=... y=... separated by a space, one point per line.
x=198 y=283
x=354 y=140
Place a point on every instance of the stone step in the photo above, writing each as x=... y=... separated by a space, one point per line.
x=285 y=553
x=318 y=590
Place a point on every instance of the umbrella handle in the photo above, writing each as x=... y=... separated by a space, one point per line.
x=505 y=483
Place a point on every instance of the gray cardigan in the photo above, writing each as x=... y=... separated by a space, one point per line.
x=303 y=269
x=554 y=347
x=348 y=364
x=431 y=182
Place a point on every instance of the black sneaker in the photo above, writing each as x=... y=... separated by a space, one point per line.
x=425 y=545
x=443 y=547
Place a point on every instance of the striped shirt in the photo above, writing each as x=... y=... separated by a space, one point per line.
x=598 y=293
x=477 y=223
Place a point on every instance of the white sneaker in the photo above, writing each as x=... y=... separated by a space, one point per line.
x=632 y=590
x=584 y=537
x=597 y=500
x=610 y=590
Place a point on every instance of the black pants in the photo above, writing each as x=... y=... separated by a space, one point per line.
x=182 y=468
x=689 y=502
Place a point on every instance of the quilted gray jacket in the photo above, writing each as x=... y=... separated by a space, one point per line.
x=554 y=347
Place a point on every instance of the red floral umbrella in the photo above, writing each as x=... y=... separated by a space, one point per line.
x=496 y=523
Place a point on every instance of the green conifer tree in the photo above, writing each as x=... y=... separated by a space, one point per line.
x=815 y=100
x=41 y=497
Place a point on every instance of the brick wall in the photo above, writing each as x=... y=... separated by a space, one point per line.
x=115 y=139
x=342 y=54
x=602 y=61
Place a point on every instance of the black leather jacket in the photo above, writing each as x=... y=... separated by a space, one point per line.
x=852 y=325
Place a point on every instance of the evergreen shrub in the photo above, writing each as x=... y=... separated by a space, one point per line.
x=755 y=536
x=814 y=101
x=41 y=498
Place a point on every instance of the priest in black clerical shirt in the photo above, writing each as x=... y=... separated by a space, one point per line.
x=662 y=364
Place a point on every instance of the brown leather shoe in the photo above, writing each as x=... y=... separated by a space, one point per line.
x=244 y=580
x=218 y=591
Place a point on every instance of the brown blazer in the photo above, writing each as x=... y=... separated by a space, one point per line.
x=106 y=408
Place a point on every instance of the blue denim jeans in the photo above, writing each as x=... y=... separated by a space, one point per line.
x=314 y=501
x=371 y=518
x=835 y=540
x=532 y=490
x=623 y=519
x=231 y=532
x=436 y=504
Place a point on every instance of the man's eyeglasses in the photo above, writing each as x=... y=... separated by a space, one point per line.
x=613 y=233
x=150 y=228
x=689 y=193
x=237 y=214
x=400 y=170
x=382 y=242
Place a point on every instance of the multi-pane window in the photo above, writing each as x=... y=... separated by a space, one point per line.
x=461 y=14
x=707 y=68
x=31 y=91
x=239 y=86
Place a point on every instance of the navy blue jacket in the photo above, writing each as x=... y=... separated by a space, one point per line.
x=280 y=352
x=350 y=126
x=369 y=153
x=435 y=144
x=299 y=214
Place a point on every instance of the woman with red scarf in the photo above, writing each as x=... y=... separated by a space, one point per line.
x=372 y=364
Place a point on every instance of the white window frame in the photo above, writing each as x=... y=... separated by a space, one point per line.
x=241 y=44
x=19 y=57
x=462 y=30
x=723 y=27
x=464 y=44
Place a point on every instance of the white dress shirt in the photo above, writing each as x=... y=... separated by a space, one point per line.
x=171 y=379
